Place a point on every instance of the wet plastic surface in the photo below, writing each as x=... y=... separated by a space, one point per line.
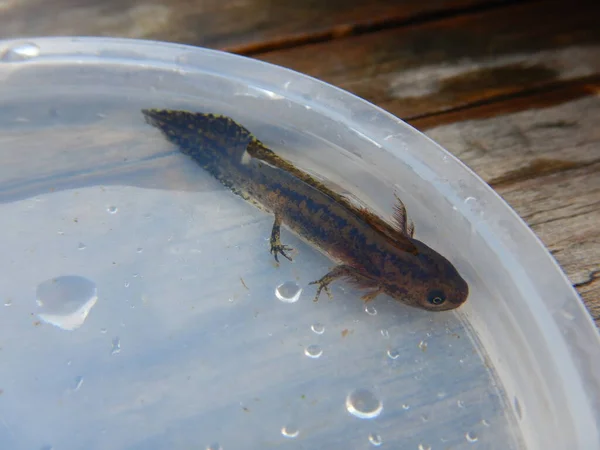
x=144 y=311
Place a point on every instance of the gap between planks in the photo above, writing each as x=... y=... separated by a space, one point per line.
x=369 y=26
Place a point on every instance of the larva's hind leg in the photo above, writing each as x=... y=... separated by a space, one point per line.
x=277 y=248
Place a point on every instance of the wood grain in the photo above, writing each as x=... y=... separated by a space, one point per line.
x=545 y=162
x=241 y=25
x=434 y=67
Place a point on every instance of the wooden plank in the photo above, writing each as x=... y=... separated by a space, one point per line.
x=443 y=65
x=521 y=101
x=545 y=162
x=243 y=25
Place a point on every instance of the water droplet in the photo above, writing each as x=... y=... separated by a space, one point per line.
x=290 y=431
x=127 y=284
x=288 y=292
x=385 y=333
x=424 y=417
x=393 y=354
x=78 y=382
x=423 y=345
x=567 y=315
x=375 y=439
x=470 y=200
x=81 y=246
x=363 y=404
x=60 y=233
x=460 y=404
x=471 y=437
x=112 y=209
x=214 y=446
x=8 y=302
x=518 y=408
x=66 y=301
x=405 y=406
x=103 y=330
x=370 y=310
x=139 y=250
x=313 y=351
x=116 y=346
x=485 y=423
x=424 y=447
x=20 y=52
x=318 y=328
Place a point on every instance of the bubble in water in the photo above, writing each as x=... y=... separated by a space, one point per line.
x=370 y=310
x=288 y=292
x=460 y=404
x=20 y=52
x=424 y=447
x=375 y=439
x=424 y=417
x=393 y=354
x=385 y=333
x=423 y=345
x=313 y=351
x=318 y=328
x=406 y=406
x=103 y=330
x=470 y=200
x=81 y=246
x=139 y=250
x=485 y=423
x=78 y=382
x=363 y=404
x=214 y=446
x=116 y=346
x=126 y=284
x=112 y=209
x=290 y=431
x=471 y=437
x=8 y=302
x=66 y=301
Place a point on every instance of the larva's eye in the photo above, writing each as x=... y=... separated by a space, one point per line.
x=436 y=297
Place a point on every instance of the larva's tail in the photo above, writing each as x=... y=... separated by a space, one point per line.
x=212 y=140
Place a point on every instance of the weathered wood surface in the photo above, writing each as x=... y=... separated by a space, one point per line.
x=241 y=25
x=510 y=87
x=446 y=64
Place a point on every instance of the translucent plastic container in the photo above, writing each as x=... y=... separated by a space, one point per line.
x=144 y=311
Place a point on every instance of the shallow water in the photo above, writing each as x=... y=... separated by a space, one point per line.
x=144 y=311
